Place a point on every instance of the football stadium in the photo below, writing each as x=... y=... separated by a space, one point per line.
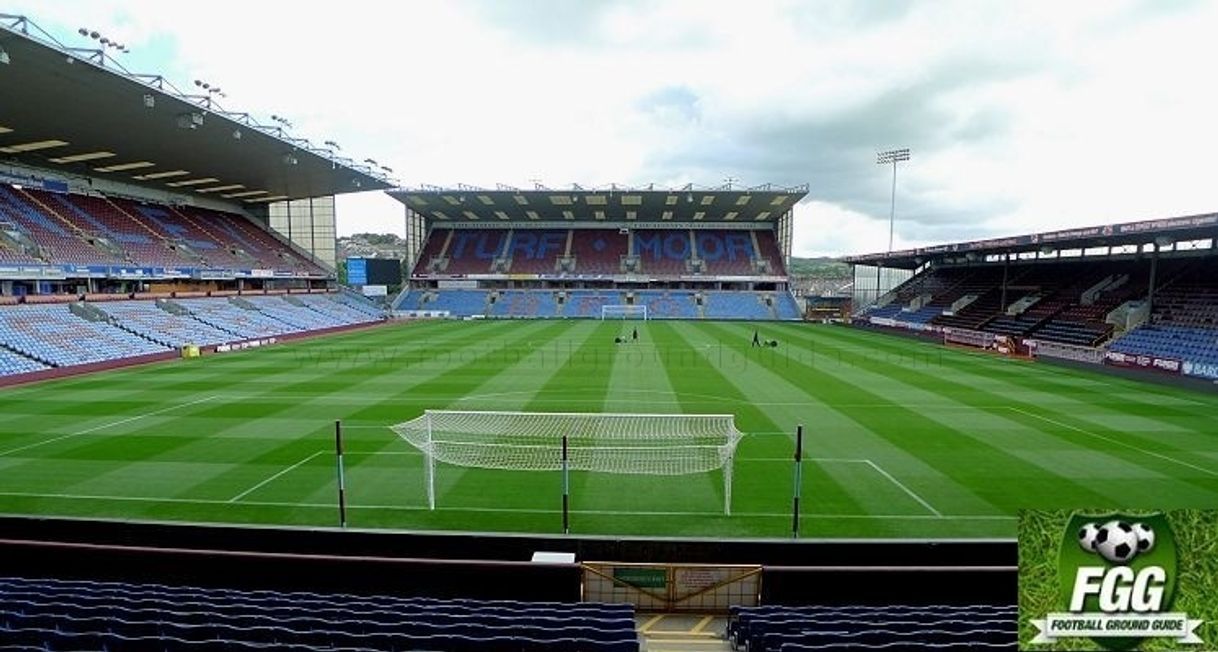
x=569 y=418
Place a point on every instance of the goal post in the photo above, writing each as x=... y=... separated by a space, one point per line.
x=624 y=312
x=638 y=444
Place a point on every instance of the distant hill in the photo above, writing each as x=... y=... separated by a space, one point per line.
x=818 y=268
x=371 y=245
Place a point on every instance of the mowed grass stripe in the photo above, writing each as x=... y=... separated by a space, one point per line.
x=703 y=388
x=277 y=402
x=515 y=385
x=313 y=476
x=1054 y=385
x=1061 y=425
x=828 y=435
x=406 y=478
x=1103 y=460
x=276 y=445
x=132 y=391
x=968 y=461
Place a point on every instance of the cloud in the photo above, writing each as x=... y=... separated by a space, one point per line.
x=1021 y=116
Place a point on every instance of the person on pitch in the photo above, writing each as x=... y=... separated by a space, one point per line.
x=635 y=335
x=756 y=338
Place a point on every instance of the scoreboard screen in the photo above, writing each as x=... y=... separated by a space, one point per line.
x=374 y=271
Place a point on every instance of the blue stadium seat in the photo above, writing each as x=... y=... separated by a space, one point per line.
x=60 y=614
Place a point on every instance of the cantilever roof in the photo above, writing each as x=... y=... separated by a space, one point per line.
x=468 y=205
x=1171 y=229
x=79 y=111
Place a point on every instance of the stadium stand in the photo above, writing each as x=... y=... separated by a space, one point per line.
x=47 y=236
x=246 y=322
x=805 y=628
x=297 y=315
x=675 y=304
x=38 y=337
x=154 y=321
x=456 y=302
x=12 y=363
x=84 y=614
x=599 y=252
x=1184 y=320
x=589 y=304
x=341 y=307
x=58 y=228
x=661 y=304
x=1140 y=294
x=735 y=305
x=549 y=253
x=54 y=336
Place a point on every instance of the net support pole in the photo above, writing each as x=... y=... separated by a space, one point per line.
x=799 y=453
x=429 y=466
x=342 y=485
x=566 y=489
x=727 y=484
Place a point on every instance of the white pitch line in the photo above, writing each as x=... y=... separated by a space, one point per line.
x=254 y=488
x=905 y=489
x=507 y=510
x=105 y=425
x=1116 y=441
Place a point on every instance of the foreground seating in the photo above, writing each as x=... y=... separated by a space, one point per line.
x=800 y=629
x=80 y=614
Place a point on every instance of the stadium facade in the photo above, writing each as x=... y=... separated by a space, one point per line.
x=139 y=221
x=679 y=253
x=113 y=176
x=1138 y=294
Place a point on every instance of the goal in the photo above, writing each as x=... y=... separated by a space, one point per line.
x=624 y=312
x=641 y=444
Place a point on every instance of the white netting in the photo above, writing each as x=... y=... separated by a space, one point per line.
x=624 y=312
x=648 y=444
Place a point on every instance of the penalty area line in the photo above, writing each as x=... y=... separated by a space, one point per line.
x=281 y=473
x=907 y=490
x=106 y=425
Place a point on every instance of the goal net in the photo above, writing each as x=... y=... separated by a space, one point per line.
x=624 y=312
x=643 y=444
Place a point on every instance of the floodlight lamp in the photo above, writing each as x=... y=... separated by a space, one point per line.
x=82 y=31
x=4 y=58
x=94 y=35
x=236 y=134
x=149 y=100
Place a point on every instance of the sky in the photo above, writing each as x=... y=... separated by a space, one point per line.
x=1021 y=116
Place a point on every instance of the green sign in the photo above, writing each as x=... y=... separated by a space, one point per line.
x=1117 y=579
x=643 y=578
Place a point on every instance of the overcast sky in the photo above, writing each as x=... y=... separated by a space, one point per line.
x=1022 y=116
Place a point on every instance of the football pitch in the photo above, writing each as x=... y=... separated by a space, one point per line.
x=902 y=438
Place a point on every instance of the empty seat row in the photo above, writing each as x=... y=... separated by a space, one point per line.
x=58 y=614
x=774 y=628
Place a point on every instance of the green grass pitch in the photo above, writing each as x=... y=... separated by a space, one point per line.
x=903 y=439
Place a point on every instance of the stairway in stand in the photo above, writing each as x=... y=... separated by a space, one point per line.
x=682 y=633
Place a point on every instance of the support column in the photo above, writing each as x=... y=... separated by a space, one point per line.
x=1006 y=263
x=1154 y=272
